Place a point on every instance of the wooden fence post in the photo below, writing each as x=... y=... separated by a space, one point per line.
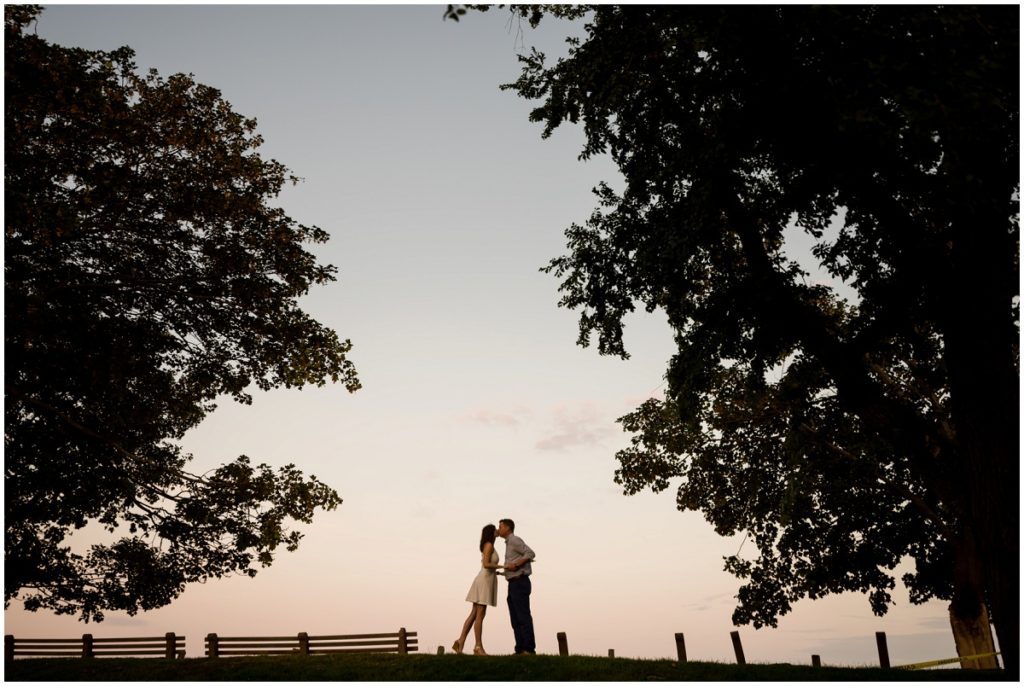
x=611 y=652
x=212 y=646
x=9 y=647
x=563 y=644
x=738 y=647
x=303 y=643
x=883 y=649
x=815 y=660
x=87 y=645
x=403 y=642
x=681 y=647
x=170 y=645
x=440 y=650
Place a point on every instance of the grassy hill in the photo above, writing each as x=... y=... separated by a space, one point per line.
x=382 y=667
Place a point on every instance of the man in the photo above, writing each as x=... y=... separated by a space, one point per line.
x=518 y=556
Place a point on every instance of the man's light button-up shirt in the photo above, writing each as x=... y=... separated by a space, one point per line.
x=515 y=550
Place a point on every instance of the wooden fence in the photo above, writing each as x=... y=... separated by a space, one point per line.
x=172 y=645
x=401 y=642
x=966 y=661
x=169 y=645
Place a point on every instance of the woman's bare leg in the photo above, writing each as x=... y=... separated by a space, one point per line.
x=478 y=624
x=467 y=625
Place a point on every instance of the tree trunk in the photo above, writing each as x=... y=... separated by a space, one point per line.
x=1000 y=555
x=984 y=392
x=968 y=616
x=973 y=636
x=991 y=480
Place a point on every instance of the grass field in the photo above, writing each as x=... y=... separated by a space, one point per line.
x=382 y=667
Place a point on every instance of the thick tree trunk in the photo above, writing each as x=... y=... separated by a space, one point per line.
x=984 y=381
x=973 y=636
x=1000 y=555
x=991 y=475
x=968 y=616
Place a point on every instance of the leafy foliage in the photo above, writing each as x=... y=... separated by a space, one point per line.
x=841 y=435
x=146 y=273
x=532 y=13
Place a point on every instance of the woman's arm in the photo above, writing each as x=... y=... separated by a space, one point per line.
x=485 y=557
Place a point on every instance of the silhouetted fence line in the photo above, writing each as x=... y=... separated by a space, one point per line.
x=401 y=642
x=880 y=640
x=169 y=646
x=172 y=645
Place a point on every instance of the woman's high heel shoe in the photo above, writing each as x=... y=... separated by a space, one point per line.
x=478 y=650
x=457 y=647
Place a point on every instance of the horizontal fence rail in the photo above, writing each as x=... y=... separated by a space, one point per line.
x=401 y=642
x=168 y=646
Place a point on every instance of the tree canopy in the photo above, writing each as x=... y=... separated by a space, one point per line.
x=146 y=274
x=841 y=435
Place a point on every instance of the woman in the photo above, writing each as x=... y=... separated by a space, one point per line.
x=482 y=593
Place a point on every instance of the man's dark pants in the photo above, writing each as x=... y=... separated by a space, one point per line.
x=519 y=612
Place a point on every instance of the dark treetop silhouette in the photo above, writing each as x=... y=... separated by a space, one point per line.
x=145 y=274
x=843 y=436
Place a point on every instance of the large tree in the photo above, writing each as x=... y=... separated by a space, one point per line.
x=146 y=273
x=842 y=435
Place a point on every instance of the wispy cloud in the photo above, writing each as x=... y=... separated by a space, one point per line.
x=511 y=417
x=714 y=600
x=578 y=425
x=560 y=427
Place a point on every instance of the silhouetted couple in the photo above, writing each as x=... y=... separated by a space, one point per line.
x=484 y=591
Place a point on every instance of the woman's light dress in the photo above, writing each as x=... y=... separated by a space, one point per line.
x=484 y=590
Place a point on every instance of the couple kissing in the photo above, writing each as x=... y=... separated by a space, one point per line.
x=484 y=590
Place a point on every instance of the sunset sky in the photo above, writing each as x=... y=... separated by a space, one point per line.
x=443 y=202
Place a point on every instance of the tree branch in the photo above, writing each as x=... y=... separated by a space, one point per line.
x=846 y=365
x=12 y=390
x=914 y=498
